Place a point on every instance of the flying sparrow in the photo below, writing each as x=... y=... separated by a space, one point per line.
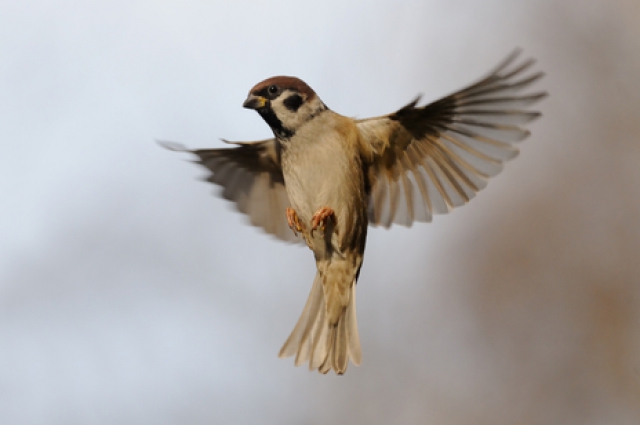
x=324 y=178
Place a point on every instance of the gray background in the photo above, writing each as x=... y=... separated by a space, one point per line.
x=130 y=295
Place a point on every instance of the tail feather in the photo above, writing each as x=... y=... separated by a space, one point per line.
x=320 y=346
x=315 y=300
x=340 y=346
x=315 y=306
x=314 y=340
x=352 y=329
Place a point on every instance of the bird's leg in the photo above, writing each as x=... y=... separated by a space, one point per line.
x=321 y=218
x=294 y=222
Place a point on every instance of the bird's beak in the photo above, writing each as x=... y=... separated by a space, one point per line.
x=255 y=102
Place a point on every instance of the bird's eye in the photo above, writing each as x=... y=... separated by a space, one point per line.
x=273 y=89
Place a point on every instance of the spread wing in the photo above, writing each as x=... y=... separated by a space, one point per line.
x=427 y=160
x=250 y=175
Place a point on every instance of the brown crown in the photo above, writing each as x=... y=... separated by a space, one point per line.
x=284 y=83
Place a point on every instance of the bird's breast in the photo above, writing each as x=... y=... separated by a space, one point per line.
x=323 y=169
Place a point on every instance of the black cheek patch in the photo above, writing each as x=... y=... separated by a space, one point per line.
x=293 y=102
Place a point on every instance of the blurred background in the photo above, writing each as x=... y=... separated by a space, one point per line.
x=130 y=295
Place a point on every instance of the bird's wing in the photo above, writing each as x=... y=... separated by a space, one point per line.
x=250 y=175
x=427 y=160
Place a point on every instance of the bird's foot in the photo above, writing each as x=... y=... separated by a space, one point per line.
x=321 y=218
x=294 y=222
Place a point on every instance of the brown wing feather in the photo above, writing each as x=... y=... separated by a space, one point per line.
x=427 y=160
x=250 y=175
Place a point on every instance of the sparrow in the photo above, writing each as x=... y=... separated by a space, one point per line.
x=323 y=178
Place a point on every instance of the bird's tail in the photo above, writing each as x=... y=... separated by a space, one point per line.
x=316 y=341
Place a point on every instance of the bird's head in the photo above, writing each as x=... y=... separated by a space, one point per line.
x=285 y=103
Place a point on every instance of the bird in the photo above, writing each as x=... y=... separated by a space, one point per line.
x=324 y=178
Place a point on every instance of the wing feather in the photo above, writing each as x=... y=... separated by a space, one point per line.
x=250 y=175
x=444 y=152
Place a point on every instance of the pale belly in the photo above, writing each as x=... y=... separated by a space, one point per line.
x=321 y=168
x=320 y=179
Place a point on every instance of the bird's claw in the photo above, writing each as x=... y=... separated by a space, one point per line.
x=294 y=222
x=321 y=218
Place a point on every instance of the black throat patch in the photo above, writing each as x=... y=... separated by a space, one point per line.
x=274 y=122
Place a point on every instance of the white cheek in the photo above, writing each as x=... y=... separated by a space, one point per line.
x=290 y=119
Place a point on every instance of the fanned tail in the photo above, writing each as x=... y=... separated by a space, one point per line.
x=314 y=340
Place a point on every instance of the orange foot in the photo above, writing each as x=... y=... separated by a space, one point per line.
x=294 y=221
x=321 y=218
